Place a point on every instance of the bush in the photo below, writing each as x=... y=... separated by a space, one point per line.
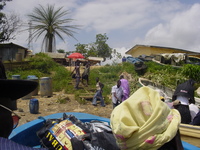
x=42 y=63
x=191 y=71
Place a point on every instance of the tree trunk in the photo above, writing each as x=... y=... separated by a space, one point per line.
x=50 y=49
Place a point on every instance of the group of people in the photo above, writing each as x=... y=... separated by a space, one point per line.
x=120 y=92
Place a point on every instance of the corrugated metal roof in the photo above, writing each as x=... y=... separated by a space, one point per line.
x=95 y=58
x=56 y=55
x=161 y=47
x=10 y=45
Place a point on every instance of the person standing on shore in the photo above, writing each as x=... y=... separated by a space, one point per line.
x=125 y=87
x=77 y=74
x=98 y=94
x=85 y=75
x=117 y=94
x=124 y=59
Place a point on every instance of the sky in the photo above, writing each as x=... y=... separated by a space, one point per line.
x=168 y=23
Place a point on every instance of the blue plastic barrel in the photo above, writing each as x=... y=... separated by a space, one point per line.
x=34 y=106
x=32 y=77
x=46 y=87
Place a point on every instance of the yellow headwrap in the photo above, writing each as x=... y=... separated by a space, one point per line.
x=143 y=121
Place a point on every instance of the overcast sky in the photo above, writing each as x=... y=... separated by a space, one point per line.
x=170 y=23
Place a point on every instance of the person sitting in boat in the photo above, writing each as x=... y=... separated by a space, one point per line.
x=185 y=94
x=196 y=120
x=11 y=90
x=143 y=121
x=194 y=109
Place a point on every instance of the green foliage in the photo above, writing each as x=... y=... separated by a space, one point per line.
x=82 y=48
x=24 y=73
x=61 y=78
x=92 y=51
x=99 y=48
x=191 y=71
x=102 y=47
x=61 y=51
x=164 y=74
x=42 y=63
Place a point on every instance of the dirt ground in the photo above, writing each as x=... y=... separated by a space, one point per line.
x=50 y=105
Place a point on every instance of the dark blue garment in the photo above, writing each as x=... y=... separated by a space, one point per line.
x=196 y=120
x=6 y=144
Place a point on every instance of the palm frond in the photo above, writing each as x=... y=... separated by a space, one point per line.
x=51 y=23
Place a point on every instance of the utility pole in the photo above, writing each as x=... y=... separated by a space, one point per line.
x=30 y=45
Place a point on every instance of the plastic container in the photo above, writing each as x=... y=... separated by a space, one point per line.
x=34 y=106
x=15 y=76
x=34 y=78
x=46 y=87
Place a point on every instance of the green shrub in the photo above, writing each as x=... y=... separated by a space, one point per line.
x=191 y=71
x=43 y=63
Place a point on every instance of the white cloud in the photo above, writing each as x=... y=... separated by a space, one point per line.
x=172 y=23
x=182 y=31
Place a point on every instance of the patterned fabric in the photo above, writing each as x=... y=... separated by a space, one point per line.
x=143 y=121
x=6 y=144
x=73 y=134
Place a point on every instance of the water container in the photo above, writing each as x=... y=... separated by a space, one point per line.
x=46 y=87
x=31 y=77
x=15 y=76
x=34 y=106
x=34 y=78
x=18 y=57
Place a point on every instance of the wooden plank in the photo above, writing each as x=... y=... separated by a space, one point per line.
x=190 y=130
x=86 y=97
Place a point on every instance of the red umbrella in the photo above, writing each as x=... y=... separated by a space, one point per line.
x=76 y=55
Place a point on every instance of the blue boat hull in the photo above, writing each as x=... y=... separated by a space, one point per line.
x=26 y=134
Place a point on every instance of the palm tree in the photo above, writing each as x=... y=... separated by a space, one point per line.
x=51 y=22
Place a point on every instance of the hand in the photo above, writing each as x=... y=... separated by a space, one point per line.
x=176 y=102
